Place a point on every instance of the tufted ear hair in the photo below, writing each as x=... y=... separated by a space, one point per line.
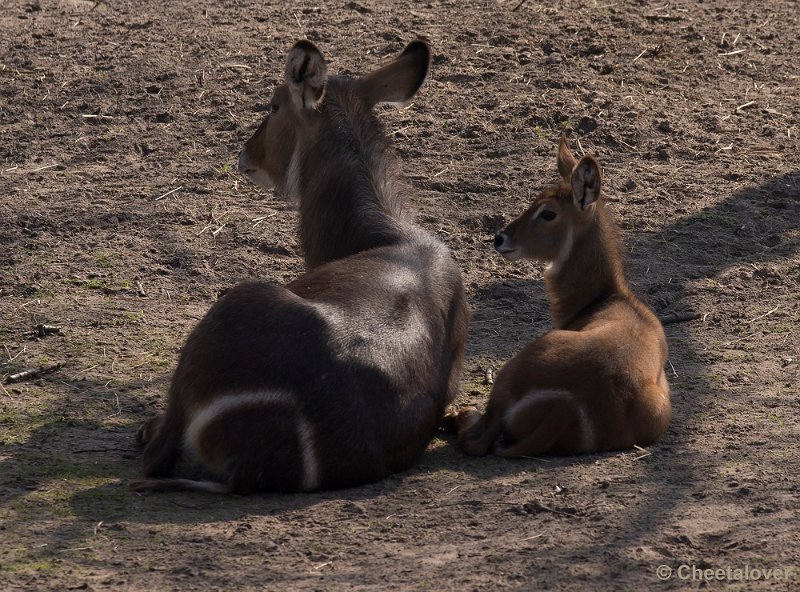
x=399 y=80
x=306 y=75
x=586 y=180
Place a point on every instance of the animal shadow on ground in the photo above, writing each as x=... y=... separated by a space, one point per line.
x=93 y=451
x=755 y=226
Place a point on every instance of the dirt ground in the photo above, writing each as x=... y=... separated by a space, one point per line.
x=122 y=217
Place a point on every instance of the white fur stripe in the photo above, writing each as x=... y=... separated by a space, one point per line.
x=563 y=255
x=226 y=404
x=538 y=211
x=290 y=188
x=534 y=397
x=305 y=434
x=588 y=436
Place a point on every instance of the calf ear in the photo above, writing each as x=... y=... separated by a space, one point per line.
x=566 y=162
x=585 y=181
x=398 y=81
x=306 y=75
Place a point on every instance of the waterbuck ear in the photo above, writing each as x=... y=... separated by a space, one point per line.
x=586 y=182
x=566 y=162
x=398 y=81
x=306 y=75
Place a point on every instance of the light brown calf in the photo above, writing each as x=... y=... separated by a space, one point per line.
x=596 y=382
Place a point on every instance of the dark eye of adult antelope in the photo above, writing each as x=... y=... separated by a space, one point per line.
x=340 y=377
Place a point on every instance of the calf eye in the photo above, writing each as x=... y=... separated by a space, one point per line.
x=547 y=215
x=274 y=108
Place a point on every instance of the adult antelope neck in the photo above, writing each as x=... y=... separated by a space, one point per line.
x=591 y=271
x=350 y=190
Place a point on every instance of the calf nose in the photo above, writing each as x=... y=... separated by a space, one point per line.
x=499 y=238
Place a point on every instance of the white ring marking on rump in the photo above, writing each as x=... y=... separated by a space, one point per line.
x=588 y=437
x=305 y=434
x=534 y=397
x=228 y=403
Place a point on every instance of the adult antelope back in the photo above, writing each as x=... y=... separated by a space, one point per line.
x=342 y=376
x=597 y=381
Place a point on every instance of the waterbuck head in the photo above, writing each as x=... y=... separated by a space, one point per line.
x=297 y=121
x=558 y=217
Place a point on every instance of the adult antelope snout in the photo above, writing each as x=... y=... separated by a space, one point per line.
x=255 y=174
x=243 y=165
x=250 y=166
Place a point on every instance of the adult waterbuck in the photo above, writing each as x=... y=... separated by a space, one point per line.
x=596 y=382
x=342 y=376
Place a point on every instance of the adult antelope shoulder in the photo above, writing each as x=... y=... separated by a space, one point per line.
x=596 y=382
x=342 y=376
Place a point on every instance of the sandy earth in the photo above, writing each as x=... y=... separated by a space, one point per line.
x=122 y=217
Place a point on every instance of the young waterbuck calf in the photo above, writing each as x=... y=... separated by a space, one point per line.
x=597 y=381
x=342 y=376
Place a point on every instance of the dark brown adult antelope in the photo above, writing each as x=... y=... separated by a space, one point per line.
x=341 y=377
x=596 y=382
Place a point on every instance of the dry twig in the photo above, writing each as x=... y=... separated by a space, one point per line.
x=168 y=193
x=663 y=17
x=645 y=452
x=766 y=314
x=42 y=330
x=33 y=373
x=535 y=506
